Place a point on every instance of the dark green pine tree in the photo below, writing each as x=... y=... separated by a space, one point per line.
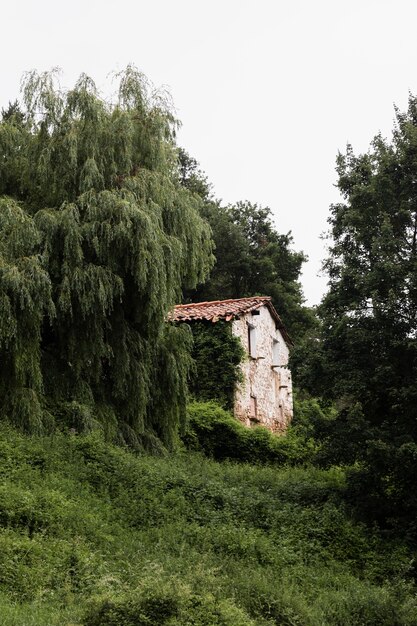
x=97 y=240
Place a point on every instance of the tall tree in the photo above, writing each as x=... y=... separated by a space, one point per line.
x=97 y=240
x=252 y=258
x=370 y=312
x=192 y=177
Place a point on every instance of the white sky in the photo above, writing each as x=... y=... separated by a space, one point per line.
x=267 y=91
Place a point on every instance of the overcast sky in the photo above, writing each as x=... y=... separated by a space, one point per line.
x=267 y=91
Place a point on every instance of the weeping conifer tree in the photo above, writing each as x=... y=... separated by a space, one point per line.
x=97 y=240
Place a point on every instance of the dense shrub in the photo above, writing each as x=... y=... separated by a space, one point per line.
x=93 y=534
x=217 y=434
x=174 y=605
x=217 y=354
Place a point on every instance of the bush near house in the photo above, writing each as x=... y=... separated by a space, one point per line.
x=220 y=436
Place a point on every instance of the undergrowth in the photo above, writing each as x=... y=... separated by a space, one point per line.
x=218 y=435
x=91 y=534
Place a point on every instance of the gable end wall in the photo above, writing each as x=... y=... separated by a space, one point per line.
x=266 y=388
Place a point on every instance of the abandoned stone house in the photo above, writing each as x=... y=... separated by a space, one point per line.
x=265 y=394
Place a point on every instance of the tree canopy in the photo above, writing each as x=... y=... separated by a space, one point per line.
x=369 y=348
x=97 y=240
x=252 y=258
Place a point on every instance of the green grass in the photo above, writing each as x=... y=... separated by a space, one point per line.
x=94 y=535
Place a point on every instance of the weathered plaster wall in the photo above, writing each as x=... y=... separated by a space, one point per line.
x=265 y=396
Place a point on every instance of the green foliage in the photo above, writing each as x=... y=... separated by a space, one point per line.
x=97 y=240
x=191 y=176
x=216 y=433
x=369 y=348
x=306 y=361
x=93 y=534
x=217 y=354
x=252 y=258
x=173 y=605
x=14 y=112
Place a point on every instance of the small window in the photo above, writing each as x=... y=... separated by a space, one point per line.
x=252 y=341
x=275 y=353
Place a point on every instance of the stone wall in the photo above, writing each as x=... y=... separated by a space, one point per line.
x=265 y=395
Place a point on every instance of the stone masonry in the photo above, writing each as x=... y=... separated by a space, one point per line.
x=265 y=395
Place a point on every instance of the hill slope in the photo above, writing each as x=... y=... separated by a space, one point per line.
x=94 y=535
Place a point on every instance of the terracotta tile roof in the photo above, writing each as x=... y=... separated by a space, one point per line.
x=226 y=310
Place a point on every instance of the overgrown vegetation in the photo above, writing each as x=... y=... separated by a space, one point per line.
x=217 y=434
x=97 y=240
x=252 y=257
x=92 y=534
x=217 y=354
x=104 y=225
x=364 y=359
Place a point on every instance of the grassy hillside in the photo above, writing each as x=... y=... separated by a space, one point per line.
x=94 y=535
